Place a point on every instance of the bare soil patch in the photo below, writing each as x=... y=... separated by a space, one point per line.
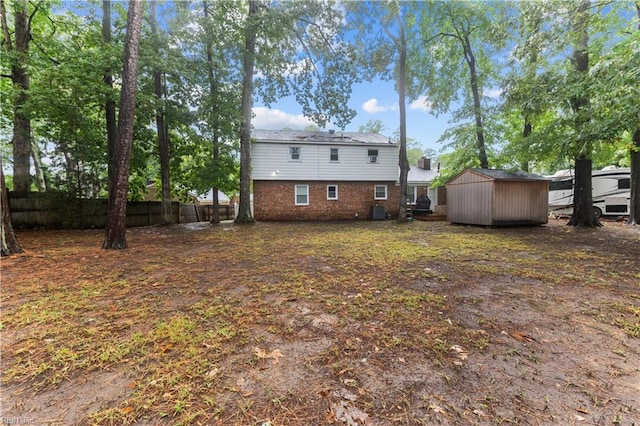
x=357 y=323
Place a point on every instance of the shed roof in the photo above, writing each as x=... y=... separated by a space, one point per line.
x=330 y=137
x=505 y=175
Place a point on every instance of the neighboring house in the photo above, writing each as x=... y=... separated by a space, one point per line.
x=207 y=199
x=301 y=175
x=419 y=182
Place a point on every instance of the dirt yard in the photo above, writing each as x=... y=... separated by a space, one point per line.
x=359 y=323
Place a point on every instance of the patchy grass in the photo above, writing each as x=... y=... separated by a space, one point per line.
x=321 y=323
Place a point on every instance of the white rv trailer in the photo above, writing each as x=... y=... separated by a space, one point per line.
x=611 y=191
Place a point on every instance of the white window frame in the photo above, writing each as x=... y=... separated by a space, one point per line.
x=375 y=192
x=337 y=152
x=293 y=149
x=336 y=192
x=373 y=155
x=296 y=194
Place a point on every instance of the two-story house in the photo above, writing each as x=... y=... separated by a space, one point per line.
x=301 y=175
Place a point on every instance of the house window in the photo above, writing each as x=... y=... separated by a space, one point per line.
x=333 y=156
x=412 y=194
x=373 y=155
x=332 y=192
x=302 y=195
x=294 y=153
x=380 y=192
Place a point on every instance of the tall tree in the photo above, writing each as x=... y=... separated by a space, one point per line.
x=613 y=79
x=117 y=210
x=248 y=64
x=8 y=238
x=161 y=128
x=463 y=41
x=386 y=55
x=18 y=52
x=634 y=213
x=110 y=104
x=583 y=212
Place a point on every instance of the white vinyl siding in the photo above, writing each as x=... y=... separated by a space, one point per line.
x=272 y=161
x=332 y=192
x=380 y=192
x=302 y=195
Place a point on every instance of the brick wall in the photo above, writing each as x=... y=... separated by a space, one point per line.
x=275 y=200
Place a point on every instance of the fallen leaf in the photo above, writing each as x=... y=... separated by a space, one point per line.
x=460 y=351
x=437 y=409
x=346 y=413
x=275 y=354
x=522 y=337
x=479 y=412
x=582 y=410
x=242 y=383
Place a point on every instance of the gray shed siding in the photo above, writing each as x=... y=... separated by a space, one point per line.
x=469 y=201
x=478 y=199
x=520 y=202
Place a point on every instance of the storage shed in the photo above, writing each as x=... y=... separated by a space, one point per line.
x=497 y=197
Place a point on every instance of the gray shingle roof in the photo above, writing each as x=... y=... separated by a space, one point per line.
x=319 y=137
x=498 y=174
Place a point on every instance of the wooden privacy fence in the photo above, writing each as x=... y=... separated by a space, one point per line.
x=56 y=210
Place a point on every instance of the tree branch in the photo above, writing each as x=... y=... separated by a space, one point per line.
x=306 y=49
x=321 y=33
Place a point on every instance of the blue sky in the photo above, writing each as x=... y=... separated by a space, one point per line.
x=372 y=101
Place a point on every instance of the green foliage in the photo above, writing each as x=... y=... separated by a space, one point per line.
x=302 y=52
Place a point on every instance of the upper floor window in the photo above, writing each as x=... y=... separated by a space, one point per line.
x=373 y=155
x=380 y=192
x=333 y=156
x=294 y=153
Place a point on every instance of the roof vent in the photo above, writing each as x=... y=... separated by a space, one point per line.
x=331 y=131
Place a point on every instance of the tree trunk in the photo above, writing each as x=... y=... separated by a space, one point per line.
x=248 y=62
x=10 y=243
x=477 y=107
x=110 y=105
x=583 y=212
x=634 y=214
x=215 y=216
x=213 y=95
x=21 y=116
x=526 y=132
x=116 y=216
x=41 y=182
x=402 y=83
x=163 y=144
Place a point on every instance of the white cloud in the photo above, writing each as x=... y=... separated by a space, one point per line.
x=421 y=104
x=492 y=93
x=275 y=119
x=373 y=107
